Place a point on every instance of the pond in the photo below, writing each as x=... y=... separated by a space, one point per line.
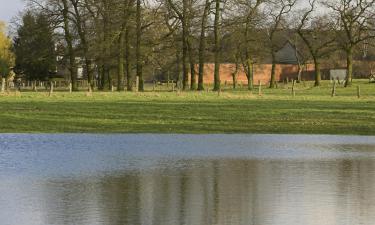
x=186 y=179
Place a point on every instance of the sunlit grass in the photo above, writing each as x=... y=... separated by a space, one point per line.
x=311 y=111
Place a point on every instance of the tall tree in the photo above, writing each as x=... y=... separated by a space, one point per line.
x=217 y=45
x=182 y=15
x=318 y=35
x=248 y=21
x=202 y=44
x=123 y=43
x=278 y=10
x=356 y=25
x=35 y=48
x=139 y=62
x=6 y=55
x=79 y=18
x=69 y=43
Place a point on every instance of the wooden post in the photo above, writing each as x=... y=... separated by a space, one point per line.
x=112 y=88
x=359 y=91
x=137 y=84
x=168 y=79
x=70 y=87
x=260 y=88
x=219 y=92
x=51 y=88
x=154 y=87
x=334 y=89
x=293 y=85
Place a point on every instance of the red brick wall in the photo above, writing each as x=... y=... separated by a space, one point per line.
x=262 y=72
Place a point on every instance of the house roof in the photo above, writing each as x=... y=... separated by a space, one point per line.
x=288 y=54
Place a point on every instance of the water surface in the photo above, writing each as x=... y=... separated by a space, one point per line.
x=187 y=179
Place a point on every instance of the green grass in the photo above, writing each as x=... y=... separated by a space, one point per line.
x=312 y=111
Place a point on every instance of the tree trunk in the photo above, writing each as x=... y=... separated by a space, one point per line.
x=273 y=71
x=217 y=46
x=250 y=75
x=299 y=75
x=69 y=42
x=138 y=46
x=82 y=35
x=193 y=80
x=349 y=66
x=318 y=76
x=120 y=63
x=129 y=77
x=234 y=76
x=202 y=46
x=3 y=80
x=185 y=33
x=106 y=80
x=178 y=69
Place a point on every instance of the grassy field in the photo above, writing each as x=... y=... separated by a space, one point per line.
x=311 y=111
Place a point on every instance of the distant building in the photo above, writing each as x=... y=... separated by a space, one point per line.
x=289 y=54
x=288 y=59
x=339 y=74
x=62 y=69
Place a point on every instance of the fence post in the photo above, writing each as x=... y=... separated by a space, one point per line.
x=70 y=87
x=333 y=89
x=260 y=88
x=51 y=88
x=293 y=90
x=359 y=91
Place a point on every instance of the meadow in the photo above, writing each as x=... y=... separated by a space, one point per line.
x=312 y=110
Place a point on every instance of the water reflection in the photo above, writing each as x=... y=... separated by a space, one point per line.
x=201 y=191
x=218 y=192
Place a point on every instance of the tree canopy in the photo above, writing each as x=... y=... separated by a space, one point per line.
x=34 y=47
x=6 y=55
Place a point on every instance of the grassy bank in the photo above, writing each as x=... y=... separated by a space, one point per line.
x=311 y=111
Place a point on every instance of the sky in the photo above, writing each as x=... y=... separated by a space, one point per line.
x=10 y=8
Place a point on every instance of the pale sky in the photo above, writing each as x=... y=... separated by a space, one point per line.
x=10 y=8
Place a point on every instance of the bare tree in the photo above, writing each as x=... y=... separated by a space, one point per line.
x=248 y=18
x=278 y=11
x=182 y=14
x=202 y=43
x=355 y=25
x=217 y=44
x=318 y=35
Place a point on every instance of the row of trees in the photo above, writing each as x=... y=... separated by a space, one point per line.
x=6 y=55
x=123 y=39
